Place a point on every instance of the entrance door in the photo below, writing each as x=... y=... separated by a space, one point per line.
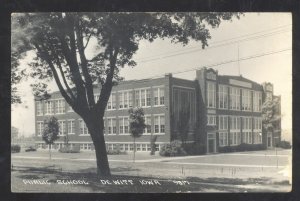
x=211 y=145
x=269 y=141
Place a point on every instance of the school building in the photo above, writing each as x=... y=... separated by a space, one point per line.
x=220 y=110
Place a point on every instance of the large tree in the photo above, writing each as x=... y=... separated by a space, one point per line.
x=60 y=42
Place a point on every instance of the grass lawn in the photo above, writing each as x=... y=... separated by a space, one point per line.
x=189 y=177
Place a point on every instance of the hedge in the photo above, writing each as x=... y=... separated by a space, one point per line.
x=241 y=147
x=15 y=148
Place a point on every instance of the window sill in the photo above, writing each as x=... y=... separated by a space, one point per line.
x=84 y=135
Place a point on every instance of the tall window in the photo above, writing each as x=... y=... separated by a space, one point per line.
x=159 y=124
x=247 y=130
x=49 y=108
x=130 y=99
x=71 y=127
x=159 y=96
x=111 y=104
x=148 y=97
x=123 y=125
x=137 y=98
x=40 y=127
x=147 y=130
x=60 y=106
x=39 y=108
x=223 y=123
x=121 y=100
x=257 y=101
x=235 y=132
x=211 y=95
x=62 y=127
x=211 y=119
x=112 y=126
x=223 y=97
x=223 y=139
x=246 y=100
x=234 y=98
x=83 y=128
x=257 y=130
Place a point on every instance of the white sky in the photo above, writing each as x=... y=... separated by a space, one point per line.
x=258 y=33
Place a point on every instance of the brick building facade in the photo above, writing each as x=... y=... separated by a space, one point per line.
x=222 y=111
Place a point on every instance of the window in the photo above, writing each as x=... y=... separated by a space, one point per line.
x=223 y=97
x=235 y=138
x=60 y=106
x=142 y=98
x=121 y=100
x=71 y=127
x=111 y=104
x=211 y=95
x=246 y=100
x=130 y=99
x=223 y=139
x=247 y=130
x=235 y=123
x=235 y=132
x=39 y=108
x=211 y=120
x=147 y=130
x=112 y=127
x=85 y=147
x=257 y=124
x=159 y=124
x=83 y=128
x=49 y=108
x=62 y=127
x=234 y=98
x=125 y=99
x=148 y=97
x=159 y=96
x=223 y=122
x=123 y=125
x=257 y=101
x=40 y=128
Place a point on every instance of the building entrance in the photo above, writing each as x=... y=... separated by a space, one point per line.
x=211 y=146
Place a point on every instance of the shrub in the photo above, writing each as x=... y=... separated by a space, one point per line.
x=172 y=149
x=67 y=149
x=116 y=152
x=195 y=148
x=284 y=144
x=15 y=148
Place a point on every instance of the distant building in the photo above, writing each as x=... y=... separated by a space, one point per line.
x=223 y=111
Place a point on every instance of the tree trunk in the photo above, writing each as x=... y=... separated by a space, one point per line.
x=50 y=151
x=96 y=132
x=134 y=149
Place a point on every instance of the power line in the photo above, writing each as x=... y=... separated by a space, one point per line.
x=221 y=45
x=280 y=27
x=221 y=63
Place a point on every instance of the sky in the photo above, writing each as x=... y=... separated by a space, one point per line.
x=257 y=46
